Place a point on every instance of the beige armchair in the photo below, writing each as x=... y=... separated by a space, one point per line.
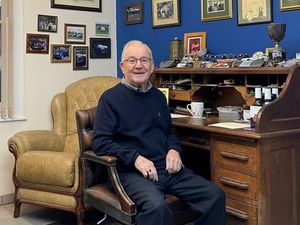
x=47 y=169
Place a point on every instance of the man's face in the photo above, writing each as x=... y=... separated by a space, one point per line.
x=137 y=65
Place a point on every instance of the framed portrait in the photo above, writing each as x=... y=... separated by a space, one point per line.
x=254 y=11
x=37 y=43
x=60 y=53
x=100 y=48
x=75 y=34
x=194 y=42
x=216 y=9
x=165 y=13
x=134 y=13
x=286 y=5
x=80 y=58
x=47 y=23
x=90 y=5
x=102 y=29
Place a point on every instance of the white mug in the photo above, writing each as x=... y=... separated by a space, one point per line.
x=196 y=109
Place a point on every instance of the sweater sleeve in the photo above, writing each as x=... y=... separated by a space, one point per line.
x=105 y=128
x=173 y=140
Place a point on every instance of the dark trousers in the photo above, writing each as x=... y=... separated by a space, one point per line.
x=203 y=196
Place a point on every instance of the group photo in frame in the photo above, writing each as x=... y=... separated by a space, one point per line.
x=83 y=5
x=60 y=53
x=165 y=13
x=37 y=43
x=75 y=34
x=80 y=58
x=134 y=13
x=194 y=42
x=216 y=10
x=286 y=5
x=102 y=29
x=47 y=23
x=100 y=48
x=254 y=11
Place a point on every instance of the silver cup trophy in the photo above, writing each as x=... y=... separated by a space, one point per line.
x=276 y=32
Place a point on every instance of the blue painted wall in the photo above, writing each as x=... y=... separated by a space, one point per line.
x=223 y=36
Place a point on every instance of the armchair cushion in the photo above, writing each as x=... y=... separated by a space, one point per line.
x=49 y=168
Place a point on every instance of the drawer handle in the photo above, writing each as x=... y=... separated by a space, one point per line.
x=239 y=156
x=234 y=183
x=237 y=213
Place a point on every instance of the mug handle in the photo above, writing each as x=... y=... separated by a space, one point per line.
x=189 y=108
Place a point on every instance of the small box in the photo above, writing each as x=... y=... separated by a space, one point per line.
x=230 y=112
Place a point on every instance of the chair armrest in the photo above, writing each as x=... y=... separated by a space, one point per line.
x=110 y=162
x=38 y=140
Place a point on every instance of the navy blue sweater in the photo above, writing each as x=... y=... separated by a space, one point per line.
x=129 y=123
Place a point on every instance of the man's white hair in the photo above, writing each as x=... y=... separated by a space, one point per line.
x=132 y=43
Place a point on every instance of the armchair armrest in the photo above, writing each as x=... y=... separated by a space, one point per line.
x=42 y=140
x=110 y=162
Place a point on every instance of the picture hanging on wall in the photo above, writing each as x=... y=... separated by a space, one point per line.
x=100 y=48
x=254 y=11
x=47 y=23
x=37 y=43
x=194 y=42
x=60 y=53
x=75 y=33
x=102 y=29
x=289 y=5
x=84 y=5
x=134 y=13
x=165 y=13
x=216 y=9
x=80 y=58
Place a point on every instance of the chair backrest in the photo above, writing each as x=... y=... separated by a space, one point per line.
x=82 y=94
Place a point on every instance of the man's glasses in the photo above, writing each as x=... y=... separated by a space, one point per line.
x=133 y=61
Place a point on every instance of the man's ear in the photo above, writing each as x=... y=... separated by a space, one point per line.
x=121 y=64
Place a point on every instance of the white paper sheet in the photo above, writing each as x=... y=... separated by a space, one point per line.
x=231 y=125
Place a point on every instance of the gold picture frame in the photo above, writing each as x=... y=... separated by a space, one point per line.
x=194 y=42
x=254 y=11
x=165 y=13
x=60 y=53
x=165 y=91
x=286 y=5
x=216 y=10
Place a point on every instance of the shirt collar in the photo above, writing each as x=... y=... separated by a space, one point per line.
x=149 y=86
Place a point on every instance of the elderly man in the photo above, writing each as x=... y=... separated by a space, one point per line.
x=133 y=123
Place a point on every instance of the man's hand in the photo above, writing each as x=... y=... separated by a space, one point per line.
x=173 y=161
x=146 y=167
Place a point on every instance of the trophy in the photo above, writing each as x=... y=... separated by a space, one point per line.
x=276 y=32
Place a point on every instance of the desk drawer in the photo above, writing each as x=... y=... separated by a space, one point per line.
x=239 y=213
x=234 y=155
x=192 y=138
x=237 y=183
x=180 y=95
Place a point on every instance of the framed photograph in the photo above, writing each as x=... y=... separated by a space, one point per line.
x=134 y=13
x=100 y=48
x=90 y=5
x=289 y=5
x=37 y=43
x=75 y=34
x=194 y=42
x=60 y=53
x=165 y=13
x=80 y=58
x=165 y=91
x=47 y=23
x=216 y=9
x=254 y=11
x=102 y=29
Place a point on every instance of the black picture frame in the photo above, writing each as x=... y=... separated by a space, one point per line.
x=134 y=13
x=47 y=23
x=80 y=57
x=165 y=13
x=259 y=12
x=100 y=48
x=94 y=5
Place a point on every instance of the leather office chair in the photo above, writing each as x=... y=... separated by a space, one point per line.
x=47 y=169
x=97 y=169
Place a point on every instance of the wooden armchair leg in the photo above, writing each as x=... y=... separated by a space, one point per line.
x=17 y=204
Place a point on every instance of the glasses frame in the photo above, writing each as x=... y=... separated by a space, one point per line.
x=136 y=60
